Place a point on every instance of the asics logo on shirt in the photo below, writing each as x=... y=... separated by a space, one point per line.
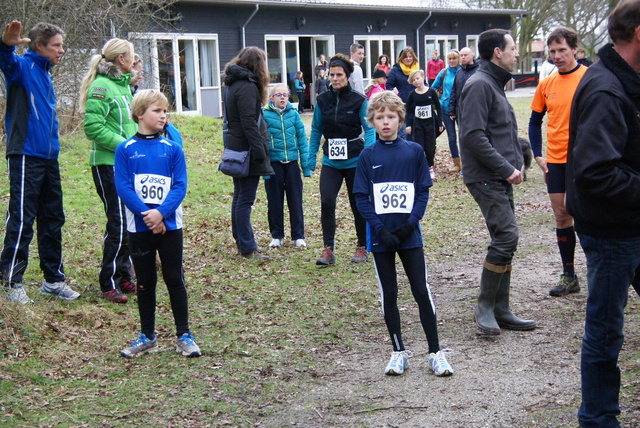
x=153 y=180
x=394 y=188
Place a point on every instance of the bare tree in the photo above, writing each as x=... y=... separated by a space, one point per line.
x=524 y=29
x=587 y=18
x=88 y=24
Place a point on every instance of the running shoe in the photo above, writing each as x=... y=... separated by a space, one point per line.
x=438 y=363
x=115 y=296
x=16 y=293
x=300 y=243
x=141 y=346
x=568 y=284
x=128 y=287
x=275 y=242
x=59 y=289
x=398 y=363
x=186 y=346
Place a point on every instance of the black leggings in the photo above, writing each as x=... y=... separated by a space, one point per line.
x=143 y=246
x=416 y=270
x=330 y=183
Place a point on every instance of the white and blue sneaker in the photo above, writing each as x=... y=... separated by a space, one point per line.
x=398 y=363
x=141 y=346
x=59 y=289
x=16 y=293
x=438 y=363
x=187 y=346
x=275 y=242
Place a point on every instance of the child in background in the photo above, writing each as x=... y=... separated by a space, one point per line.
x=298 y=83
x=378 y=83
x=423 y=117
x=151 y=180
x=287 y=145
x=322 y=84
x=391 y=190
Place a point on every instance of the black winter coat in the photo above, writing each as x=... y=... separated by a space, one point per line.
x=243 y=108
x=603 y=161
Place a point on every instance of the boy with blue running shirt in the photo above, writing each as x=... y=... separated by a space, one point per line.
x=391 y=190
x=151 y=180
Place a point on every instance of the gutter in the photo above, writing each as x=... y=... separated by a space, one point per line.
x=244 y=45
x=418 y=44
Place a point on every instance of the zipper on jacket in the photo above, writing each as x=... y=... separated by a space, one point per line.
x=284 y=138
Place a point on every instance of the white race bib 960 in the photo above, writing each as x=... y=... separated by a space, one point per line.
x=151 y=188
x=393 y=198
x=338 y=148
x=423 y=112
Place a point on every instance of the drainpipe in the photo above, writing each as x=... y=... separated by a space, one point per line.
x=246 y=23
x=418 y=44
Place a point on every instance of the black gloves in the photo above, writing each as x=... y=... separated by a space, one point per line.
x=389 y=240
x=403 y=231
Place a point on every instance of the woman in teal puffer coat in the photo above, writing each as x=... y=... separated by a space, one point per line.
x=287 y=146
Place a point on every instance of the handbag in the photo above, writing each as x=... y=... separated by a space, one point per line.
x=233 y=163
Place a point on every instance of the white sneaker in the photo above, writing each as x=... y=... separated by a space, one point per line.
x=17 y=294
x=300 y=243
x=398 y=363
x=432 y=173
x=275 y=242
x=59 y=289
x=438 y=363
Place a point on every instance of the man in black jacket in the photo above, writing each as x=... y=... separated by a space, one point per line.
x=468 y=67
x=603 y=182
x=491 y=158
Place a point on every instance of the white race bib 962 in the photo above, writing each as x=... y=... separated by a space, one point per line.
x=393 y=198
x=423 y=112
x=151 y=188
x=338 y=149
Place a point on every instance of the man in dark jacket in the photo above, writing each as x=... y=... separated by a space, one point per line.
x=603 y=179
x=468 y=67
x=35 y=190
x=491 y=157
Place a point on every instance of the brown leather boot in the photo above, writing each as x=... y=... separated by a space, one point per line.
x=457 y=167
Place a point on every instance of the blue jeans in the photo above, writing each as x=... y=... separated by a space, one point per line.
x=612 y=265
x=450 y=126
x=244 y=195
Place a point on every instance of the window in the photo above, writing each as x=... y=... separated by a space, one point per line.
x=283 y=60
x=184 y=67
x=442 y=43
x=472 y=43
x=374 y=46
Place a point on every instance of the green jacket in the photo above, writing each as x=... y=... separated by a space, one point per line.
x=107 y=119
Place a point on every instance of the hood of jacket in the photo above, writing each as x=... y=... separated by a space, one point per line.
x=110 y=70
x=234 y=73
x=623 y=71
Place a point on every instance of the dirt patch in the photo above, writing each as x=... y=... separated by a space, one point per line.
x=516 y=379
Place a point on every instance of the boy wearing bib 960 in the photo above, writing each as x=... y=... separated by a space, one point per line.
x=151 y=180
x=391 y=190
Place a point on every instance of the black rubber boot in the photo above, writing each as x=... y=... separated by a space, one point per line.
x=505 y=318
x=484 y=312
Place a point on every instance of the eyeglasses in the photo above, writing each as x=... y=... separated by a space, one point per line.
x=280 y=95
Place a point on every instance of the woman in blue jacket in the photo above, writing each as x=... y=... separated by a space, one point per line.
x=287 y=146
x=444 y=81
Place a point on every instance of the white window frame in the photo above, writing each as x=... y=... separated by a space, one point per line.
x=472 y=42
x=440 y=40
x=174 y=38
x=369 y=62
x=283 y=38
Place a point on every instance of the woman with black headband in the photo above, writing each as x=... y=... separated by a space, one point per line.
x=339 y=117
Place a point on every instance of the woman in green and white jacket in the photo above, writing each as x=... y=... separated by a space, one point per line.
x=287 y=145
x=106 y=98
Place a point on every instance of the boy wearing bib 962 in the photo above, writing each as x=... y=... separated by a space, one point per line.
x=151 y=180
x=391 y=190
